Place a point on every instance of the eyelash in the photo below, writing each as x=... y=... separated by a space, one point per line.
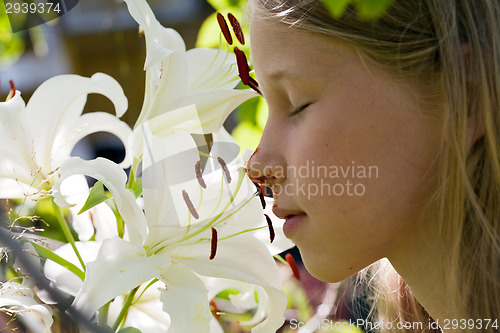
x=299 y=109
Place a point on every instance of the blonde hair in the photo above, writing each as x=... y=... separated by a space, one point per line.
x=450 y=48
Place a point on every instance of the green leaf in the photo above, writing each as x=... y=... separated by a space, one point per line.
x=336 y=7
x=48 y=254
x=129 y=330
x=373 y=9
x=247 y=135
x=96 y=196
x=247 y=111
x=105 y=328
x=224 y=4
x=134 y=184
x=366 y=9
x=262 y=113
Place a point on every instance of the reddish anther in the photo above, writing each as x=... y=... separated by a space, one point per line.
x=214 y=309
x=271 y=228
x=224 y=28
x=225 y=169
x=238 y=32
x=199 y=176
x=261 y=195
x=254 y=85
x=213 y=244
x=243 y=69
x=12 y=91
x=293 y=266
x=190 y=205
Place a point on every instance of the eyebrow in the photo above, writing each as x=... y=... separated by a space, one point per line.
x=280 y=75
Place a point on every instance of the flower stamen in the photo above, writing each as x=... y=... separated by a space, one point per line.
x=243 y=69
x=226 y=170
x=190 y=205
x=254 y=85
x=213 y=244
x=238 y=32
x=215 y=309
x=199 y=175
x=225 y=29
x=12 y=91
x=271 y=228
x=261 y=195
x=293 y=265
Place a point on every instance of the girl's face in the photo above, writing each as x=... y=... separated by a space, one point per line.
x=349 y=152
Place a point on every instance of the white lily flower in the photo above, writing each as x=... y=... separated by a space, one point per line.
x=99 y=221
x=146 y=314
x=177 y=78
x=173 y=248
x=17 y=299
x=37 y=137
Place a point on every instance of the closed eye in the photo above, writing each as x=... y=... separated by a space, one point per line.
x=299 y=109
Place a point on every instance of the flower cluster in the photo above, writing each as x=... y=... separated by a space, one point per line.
x=153 y=249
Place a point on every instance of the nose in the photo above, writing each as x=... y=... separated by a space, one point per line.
x=267 y=166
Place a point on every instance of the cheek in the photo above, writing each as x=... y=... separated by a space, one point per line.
x=379 y=148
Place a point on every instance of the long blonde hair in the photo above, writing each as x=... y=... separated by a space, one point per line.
x=450 y=48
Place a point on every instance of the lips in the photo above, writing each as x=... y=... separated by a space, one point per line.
x=292 y=223
x=293 y=219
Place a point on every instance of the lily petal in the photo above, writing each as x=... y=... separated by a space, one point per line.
x=119 y=267
x=215 y=105
x=60 y=100
x=114 y=178
x=92 y=123
x=275 y=302
x=211 y=68
x=185 y=300
x=146 y=314
x=62 y=277
x=142 y=14
x=240 y=258
x=172 y=83
x=161 y=172
x=37 y=317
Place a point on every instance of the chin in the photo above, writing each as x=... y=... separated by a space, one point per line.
x=328 y=271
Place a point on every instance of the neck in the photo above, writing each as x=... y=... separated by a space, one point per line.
x=425 y=272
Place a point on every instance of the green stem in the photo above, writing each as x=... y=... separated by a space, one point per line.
x=67 y=232
x=126 y=306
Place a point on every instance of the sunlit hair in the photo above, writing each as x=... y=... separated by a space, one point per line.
x=451 y=49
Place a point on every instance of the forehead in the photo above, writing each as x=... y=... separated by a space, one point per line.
x=279 y=50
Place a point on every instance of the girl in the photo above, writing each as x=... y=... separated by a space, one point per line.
x=397 y=123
